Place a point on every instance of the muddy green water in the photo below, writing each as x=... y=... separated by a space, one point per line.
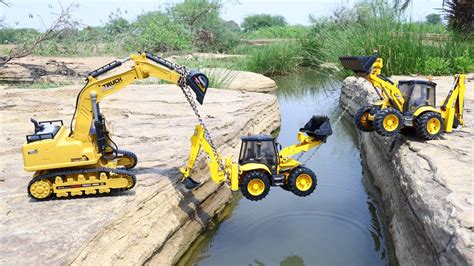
x=339 y=224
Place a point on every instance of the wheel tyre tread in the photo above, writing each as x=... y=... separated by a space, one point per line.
x=378 y=122
x=421 y=122
x=252 y=175
x=358 y=118
x=292 y=181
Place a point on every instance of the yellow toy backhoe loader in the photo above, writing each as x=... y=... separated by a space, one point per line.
x=84 y=159
x=410 y=103
x=262 y=162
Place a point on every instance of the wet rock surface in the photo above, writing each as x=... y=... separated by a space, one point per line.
x=427 y=187
x=157 y=218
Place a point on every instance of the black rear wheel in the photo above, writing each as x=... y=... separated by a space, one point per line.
x=302 y=181
x=362 y=119
x=255 y=185
x=388 y=122
x=429 y=125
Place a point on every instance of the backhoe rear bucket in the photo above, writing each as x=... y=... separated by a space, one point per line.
x=318 y=127
x=190 y=183
x=358 y=64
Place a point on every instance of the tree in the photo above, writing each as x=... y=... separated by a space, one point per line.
x=255 y=22
x=63 y=22
x=208 y=30
x=460 y=15
x=433 y=19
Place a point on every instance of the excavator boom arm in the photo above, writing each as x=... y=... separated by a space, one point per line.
x=145 y=65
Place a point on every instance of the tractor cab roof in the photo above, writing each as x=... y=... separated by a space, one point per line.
x=422 y=82
x=258 y=138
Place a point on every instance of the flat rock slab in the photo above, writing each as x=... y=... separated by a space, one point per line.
x=157 y=218
x=427 y=186
x=241 y=80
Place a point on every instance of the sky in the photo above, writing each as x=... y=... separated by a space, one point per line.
x=40 y=13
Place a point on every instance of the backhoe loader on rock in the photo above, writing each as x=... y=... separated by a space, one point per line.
x=262 y=163
x=410 y=103
x=84 y=159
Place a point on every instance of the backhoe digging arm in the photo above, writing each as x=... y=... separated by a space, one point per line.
x=453 y=105
x=218 y=174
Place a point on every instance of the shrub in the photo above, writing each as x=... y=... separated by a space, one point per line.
x=436 y=66
x=463 y=63
x=274 y=59
x=157 y=32
x=255 y=22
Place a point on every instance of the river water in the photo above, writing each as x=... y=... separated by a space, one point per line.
x=339 y=224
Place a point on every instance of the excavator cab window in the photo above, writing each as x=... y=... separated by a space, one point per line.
x=417 y=93
x=259 y=149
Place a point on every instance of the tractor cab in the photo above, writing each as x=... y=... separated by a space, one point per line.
x=417 y=93
x=259 y=149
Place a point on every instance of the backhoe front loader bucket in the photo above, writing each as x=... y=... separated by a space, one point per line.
x=190 y=183
x=318 y=127
x=358 y=64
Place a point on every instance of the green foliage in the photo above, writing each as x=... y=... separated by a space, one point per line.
x=290 y=32
x=8 y=35
x=276 y=59
x=460 y=16
x=156 y=32
x=433 y=19
x=463 y=63
x=407 y=48
x=436 y=66
x=201 y=18
x=255 y=22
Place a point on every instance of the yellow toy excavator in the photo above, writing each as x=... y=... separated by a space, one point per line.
x=410 y=103
x=84 y=159
x=262 y=162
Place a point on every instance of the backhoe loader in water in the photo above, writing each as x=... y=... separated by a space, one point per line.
x=410 y=103
x=84 y=159
x=262 y=162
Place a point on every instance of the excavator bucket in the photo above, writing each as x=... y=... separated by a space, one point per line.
x=198 y=82
x=318 y=127
x=190 y=183
x=358 y=64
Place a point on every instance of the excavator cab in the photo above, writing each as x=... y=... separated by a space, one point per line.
x=417 y=93
x=261 y=149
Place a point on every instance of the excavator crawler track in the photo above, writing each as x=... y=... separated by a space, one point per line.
x=77 y=182
x=131 y=158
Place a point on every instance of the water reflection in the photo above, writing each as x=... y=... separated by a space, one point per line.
x=338 y=224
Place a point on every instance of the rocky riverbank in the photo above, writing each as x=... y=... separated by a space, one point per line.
x=157 y=218
x=427 y=187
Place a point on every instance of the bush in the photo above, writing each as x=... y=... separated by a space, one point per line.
x=157 y=32
x=436 y=66
x=291 y=32
x=463 y=63
x=274 y=59
x=255 y=22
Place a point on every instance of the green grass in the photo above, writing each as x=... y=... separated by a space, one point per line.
x=277 y=32
x=406 y=48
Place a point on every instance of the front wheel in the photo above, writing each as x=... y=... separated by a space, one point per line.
x=255 y=185
x=302 y=181
x=362 y=119
x=429 y=125
x=388 y=122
